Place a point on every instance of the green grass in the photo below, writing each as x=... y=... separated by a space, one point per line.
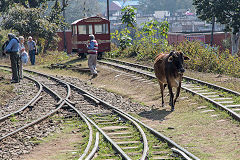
x=13 y=119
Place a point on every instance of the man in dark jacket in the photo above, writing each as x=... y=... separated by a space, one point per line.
x=13 y=49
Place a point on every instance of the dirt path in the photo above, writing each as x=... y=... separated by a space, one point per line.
x=54 y=149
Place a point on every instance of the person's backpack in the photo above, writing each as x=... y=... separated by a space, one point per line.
x=4 y=46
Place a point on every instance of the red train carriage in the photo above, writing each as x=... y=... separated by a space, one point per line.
x=82 y=28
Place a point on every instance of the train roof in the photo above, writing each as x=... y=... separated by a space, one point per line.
x=96 y=19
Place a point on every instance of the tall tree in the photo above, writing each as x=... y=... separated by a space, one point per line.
x=226 y=12
x=27 y=21
x=128 y=16
x=56 y=22
x=6 y=4
x=33 y=21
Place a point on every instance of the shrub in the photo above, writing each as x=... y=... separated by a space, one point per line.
x=143 y=42
x=208 y=59
x=203 y=58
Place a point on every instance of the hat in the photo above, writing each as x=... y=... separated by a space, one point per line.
x=91 y=36
x=11 y=36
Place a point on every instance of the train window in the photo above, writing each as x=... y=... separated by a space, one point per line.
x=82 y=29
x=85 y=29
x=98 y=28
x=101 y=28
x=106 y=28
x=90 y=31
x=74 y=29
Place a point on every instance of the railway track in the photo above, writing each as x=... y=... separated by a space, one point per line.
x=32 y=120
x=118 y=128
x=221 y=97
x=25 y=92
x=23 y=125
x=130 y=138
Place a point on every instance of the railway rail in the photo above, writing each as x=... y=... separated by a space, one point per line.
x=130 y=138
x=18 y=122
x=23 y=122
x=223 y=98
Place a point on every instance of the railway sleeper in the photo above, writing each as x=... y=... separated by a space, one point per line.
x=114 y=128
x=162 y=158
x=121 y=137
x=119 y=133
x=127 y=142
x=110 y=123
x=104 y=120
x=111 y=156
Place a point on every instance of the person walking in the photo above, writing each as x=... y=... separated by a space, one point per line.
x=13 y=49
x=92 y=57
x=31 y=49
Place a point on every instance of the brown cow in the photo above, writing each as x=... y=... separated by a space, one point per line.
x=169 y=70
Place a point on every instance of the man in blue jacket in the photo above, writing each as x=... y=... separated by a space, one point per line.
x=13 y=49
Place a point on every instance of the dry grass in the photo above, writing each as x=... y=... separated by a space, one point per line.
x=221 y=80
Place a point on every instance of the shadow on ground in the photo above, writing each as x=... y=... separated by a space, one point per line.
x=155 y=114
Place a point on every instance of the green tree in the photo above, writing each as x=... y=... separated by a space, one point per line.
x=27 y=21
x=226 y=12
x=34 y=21
x=6 y=4
x=56 y=22
x=128 y=16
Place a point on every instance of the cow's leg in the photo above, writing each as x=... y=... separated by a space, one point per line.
x=178 y=92
x=162 y=89
x=171 y=97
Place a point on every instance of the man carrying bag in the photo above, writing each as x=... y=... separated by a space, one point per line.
x=13 y=49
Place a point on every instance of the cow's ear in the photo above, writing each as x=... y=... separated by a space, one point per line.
x=186 y=58
x=170 y=58
x=171 y=53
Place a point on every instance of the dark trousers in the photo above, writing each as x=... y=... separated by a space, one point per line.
x=32 y=56
x=14 y=57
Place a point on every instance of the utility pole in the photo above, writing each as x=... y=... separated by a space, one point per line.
x=213 y=24
x=64 y=33
x=108 y=9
